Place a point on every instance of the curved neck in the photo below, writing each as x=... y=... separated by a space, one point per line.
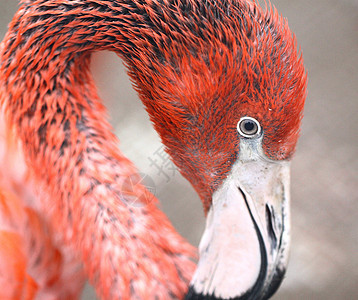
x=46 y=53
x=43 y=31
x=51 y=101
x=45 y=60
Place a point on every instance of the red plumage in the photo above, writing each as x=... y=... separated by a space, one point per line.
x=198 y=66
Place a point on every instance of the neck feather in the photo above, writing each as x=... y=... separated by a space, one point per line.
x=51 y=101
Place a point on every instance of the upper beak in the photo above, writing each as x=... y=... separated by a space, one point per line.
x=244 y=249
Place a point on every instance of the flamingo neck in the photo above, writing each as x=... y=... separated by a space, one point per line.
x=50 y=99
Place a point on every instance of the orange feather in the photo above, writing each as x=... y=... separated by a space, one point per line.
x=198 y=66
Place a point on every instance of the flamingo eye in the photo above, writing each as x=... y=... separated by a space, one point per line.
x=248 y=127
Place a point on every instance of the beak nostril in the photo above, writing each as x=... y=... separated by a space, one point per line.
x=270 y=215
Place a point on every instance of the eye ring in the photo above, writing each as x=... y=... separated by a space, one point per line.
x=249 y=127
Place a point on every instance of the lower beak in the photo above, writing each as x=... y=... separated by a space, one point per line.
x=244 y=249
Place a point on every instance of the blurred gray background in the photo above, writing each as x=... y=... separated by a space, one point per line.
x=324 y=255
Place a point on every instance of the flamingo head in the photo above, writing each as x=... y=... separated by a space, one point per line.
x=225 y=89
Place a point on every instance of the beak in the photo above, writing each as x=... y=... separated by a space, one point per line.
x=244 y=249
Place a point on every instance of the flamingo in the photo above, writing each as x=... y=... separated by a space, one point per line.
x=224 y=86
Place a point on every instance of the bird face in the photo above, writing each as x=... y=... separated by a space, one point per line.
x=244 y=248
x=228 y=108
x=244 y=186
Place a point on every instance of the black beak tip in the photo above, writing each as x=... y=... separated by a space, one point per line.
x=192 y=295
x=275 y=283
x=267 y=294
